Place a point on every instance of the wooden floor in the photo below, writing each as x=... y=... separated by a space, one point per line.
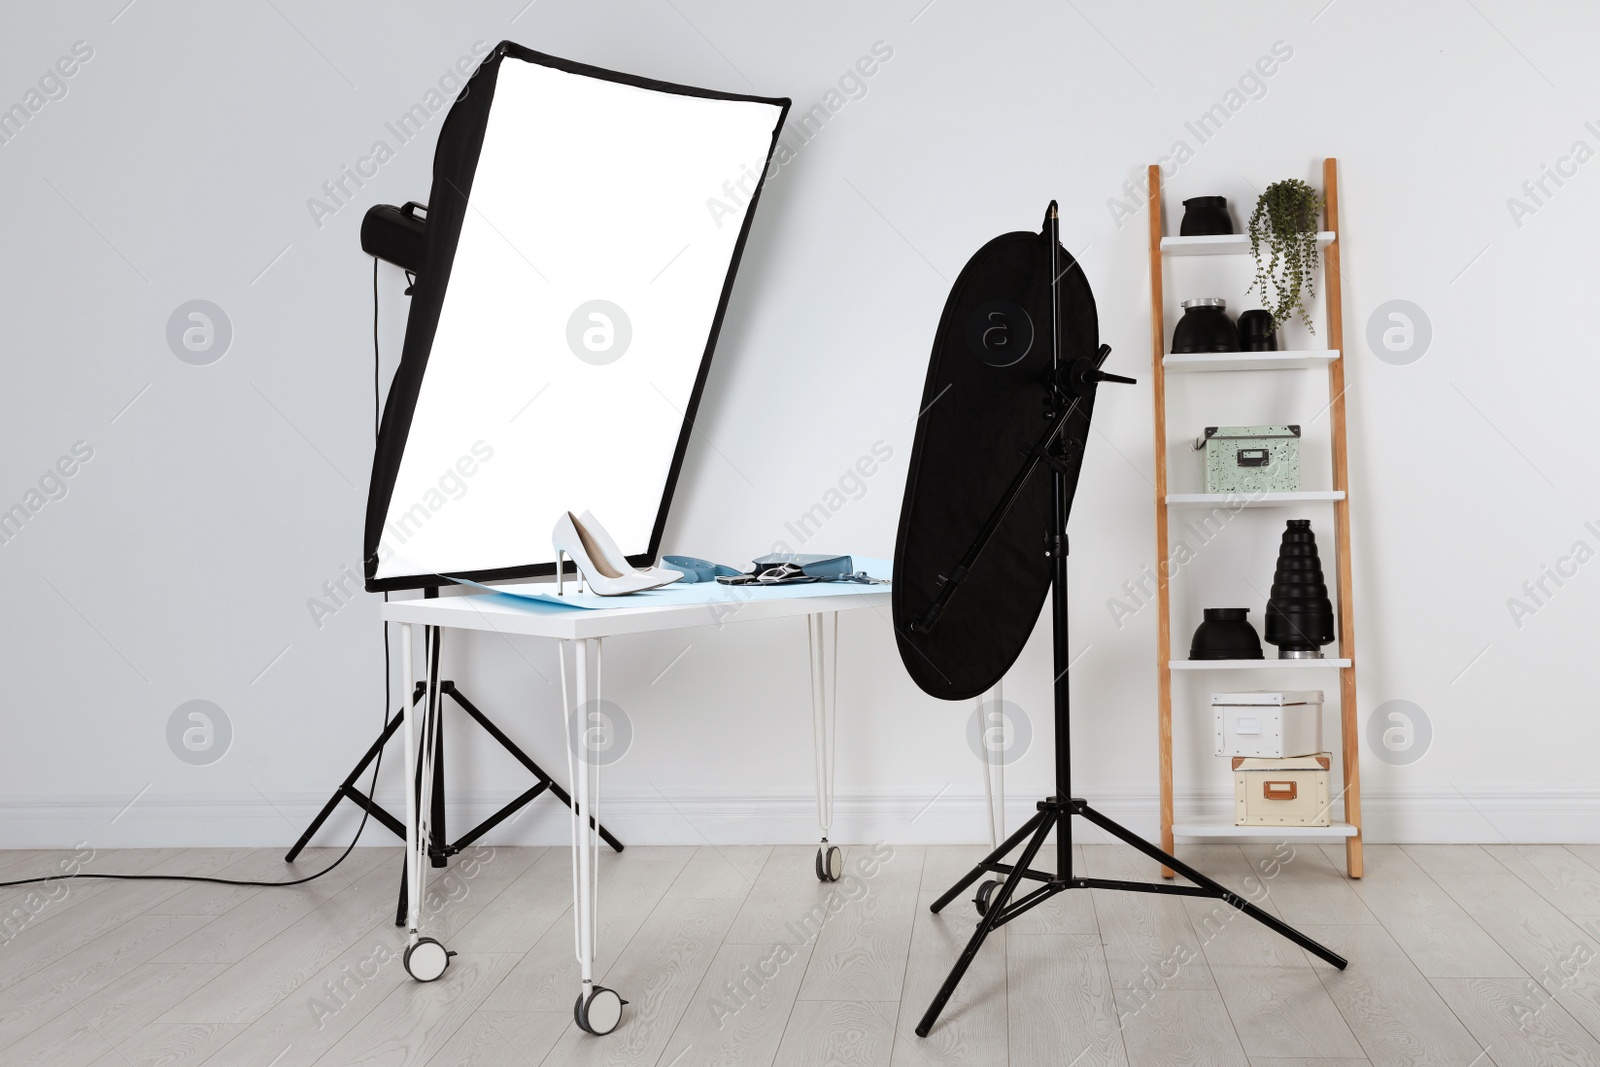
x=1461 y=956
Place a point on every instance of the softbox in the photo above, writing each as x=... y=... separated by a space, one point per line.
x=583 y=232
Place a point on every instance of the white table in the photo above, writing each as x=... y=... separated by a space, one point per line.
x=580 y=632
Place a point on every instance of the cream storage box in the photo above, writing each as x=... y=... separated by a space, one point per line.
x=1281 y=792
x=1269 y=723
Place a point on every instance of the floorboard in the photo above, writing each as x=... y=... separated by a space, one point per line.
x=1274 y=994
x=632 y=885
x=840 y=1033
x=1518 y=1026
x=1461 y=955
x=659 y=974
x=1555 y=874
x=973 y=1028
x=780 y=898
x=502 y=1038
x=310 y=1019
x=416 y=1020
x=1558 y=952
x=1149 y=943
x=862 y=949
x=1061 y=1008
x=1178 y=1028
x=273 y=970
x=1392 y=1010
x=1441 y=939
x=739 y=1013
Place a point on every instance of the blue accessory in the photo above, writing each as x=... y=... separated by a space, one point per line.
x=697 y=570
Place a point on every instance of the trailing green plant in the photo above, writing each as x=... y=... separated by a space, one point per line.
x=1285 y=221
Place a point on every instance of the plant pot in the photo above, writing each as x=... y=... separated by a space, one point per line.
x=1205 y=327
x=1225 y=634
x=1256 y=331
x=1205 y=216
x=1283 y=242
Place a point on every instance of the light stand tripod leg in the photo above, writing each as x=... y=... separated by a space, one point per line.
x=546 y=783
x=984 y=866
x=1222 y=893
x=1041 y=827
x=438 y=855
x=403 y=898
x=348 y=788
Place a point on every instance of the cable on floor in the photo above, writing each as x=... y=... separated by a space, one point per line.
x=377 y=414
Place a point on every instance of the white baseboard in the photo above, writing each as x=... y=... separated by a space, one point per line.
x=1501 y=814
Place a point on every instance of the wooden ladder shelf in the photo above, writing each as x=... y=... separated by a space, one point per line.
x=1349 y=829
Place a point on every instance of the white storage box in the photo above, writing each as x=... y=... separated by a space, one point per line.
x=1268 y=723
x=1281 y=792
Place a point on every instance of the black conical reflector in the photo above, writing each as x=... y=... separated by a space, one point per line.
x=1299 y=614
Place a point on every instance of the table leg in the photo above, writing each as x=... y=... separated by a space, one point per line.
x=993 y=740
x=823 y=641
x=598 y=1009
x=408 y=731
x=582 y=857
x=425 y=958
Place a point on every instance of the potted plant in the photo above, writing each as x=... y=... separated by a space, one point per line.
x=1285 y=222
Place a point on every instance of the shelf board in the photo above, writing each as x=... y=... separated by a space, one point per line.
x=1260 y=500
x=1253 y=664
x=1226 y=244
x=1223 y=361
x=1222 y=826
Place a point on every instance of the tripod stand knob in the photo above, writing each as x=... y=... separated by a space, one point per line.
x=1081 y=375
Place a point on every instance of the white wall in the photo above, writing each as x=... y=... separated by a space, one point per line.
x=179 y=565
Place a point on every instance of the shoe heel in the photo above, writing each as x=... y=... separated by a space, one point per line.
x=596 y=575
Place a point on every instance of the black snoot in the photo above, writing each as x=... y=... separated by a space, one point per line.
x=1299 y=614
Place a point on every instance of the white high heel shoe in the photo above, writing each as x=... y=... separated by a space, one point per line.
x=615 y=556
x=574 y=539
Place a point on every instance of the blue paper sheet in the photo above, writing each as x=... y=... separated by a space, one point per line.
x=680 y=593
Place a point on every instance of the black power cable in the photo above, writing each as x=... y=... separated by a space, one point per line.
x=377 y=409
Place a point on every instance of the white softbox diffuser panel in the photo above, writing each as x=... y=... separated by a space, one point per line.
x=590 y=272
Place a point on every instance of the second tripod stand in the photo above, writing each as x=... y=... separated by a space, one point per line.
x=440 y=849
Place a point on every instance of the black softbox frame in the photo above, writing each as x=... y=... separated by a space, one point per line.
x=456 y=157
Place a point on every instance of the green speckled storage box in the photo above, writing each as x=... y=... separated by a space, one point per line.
x=1251 y=459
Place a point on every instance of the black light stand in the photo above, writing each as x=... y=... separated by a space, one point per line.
x=997 y=901
x=440 y=849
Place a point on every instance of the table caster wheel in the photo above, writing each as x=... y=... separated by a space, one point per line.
x=985 y=894
x=599 y=1012
x=427 y=959
x=830 y=863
